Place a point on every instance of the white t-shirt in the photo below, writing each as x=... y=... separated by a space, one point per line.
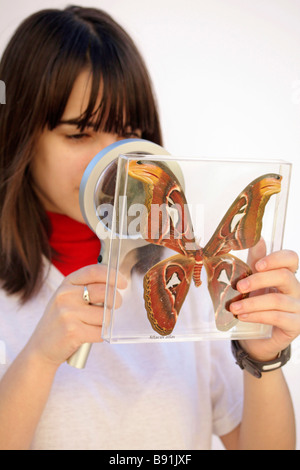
x=130 y=396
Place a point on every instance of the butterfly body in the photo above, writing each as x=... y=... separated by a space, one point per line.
x=168 y=223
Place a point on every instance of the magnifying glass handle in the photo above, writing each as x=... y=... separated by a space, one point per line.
x=79 y=357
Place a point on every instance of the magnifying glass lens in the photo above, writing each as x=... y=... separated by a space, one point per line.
x=104 y=197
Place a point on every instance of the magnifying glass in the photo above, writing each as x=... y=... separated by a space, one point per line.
x=98 y=187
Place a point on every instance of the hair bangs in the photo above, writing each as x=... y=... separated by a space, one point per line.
x=126 y=100
x=68 y=64
x=118 y=76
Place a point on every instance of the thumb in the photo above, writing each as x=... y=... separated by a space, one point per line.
x=257 y=252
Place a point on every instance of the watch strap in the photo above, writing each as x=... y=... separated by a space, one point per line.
x=257 y=368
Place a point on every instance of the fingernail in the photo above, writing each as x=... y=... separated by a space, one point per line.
x=244 y=316
x=261 y=265
x=236 y=306
x=243 y=285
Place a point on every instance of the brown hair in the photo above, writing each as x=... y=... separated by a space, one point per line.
x=39 y=67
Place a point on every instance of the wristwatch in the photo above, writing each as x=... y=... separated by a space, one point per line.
x=256 y=368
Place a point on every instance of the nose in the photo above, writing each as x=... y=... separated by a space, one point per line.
x=100 y=142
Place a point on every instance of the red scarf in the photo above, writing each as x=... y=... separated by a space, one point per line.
x=75 y=243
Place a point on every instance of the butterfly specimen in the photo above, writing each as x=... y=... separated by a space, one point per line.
x=168 y=223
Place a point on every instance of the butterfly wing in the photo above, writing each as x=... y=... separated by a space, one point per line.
x=168 y=219
x=241 y=226
x=223 y=273
x=168 y=224
x=239 y=229
x=166 y=285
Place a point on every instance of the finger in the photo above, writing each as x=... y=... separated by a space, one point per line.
x=282 y=279
x=279 y=259
x=96 y=273
x=256 y=253
x=90 y=333
x=274 y=301
x=288 y=323
x=98 y=295
x=90 y=315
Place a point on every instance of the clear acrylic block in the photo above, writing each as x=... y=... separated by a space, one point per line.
x=208 y=189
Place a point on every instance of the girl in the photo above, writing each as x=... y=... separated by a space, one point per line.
x=76 y=83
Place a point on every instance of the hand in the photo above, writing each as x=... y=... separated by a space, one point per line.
x=68 y=321
x=276 y=300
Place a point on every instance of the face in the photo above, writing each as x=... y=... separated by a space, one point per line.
x=62 y=155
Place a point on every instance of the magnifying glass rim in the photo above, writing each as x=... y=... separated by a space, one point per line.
x=99 y=163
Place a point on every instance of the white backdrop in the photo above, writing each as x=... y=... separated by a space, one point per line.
x=227 y=80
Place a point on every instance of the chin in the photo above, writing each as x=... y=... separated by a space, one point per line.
x=74 y=213
x=78 y=217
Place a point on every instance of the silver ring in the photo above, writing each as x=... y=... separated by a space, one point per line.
x=86 y=295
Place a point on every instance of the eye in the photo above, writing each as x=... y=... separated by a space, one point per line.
x=129 y=133
x=139 y=162
x=134 y=134
x=77 y=136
